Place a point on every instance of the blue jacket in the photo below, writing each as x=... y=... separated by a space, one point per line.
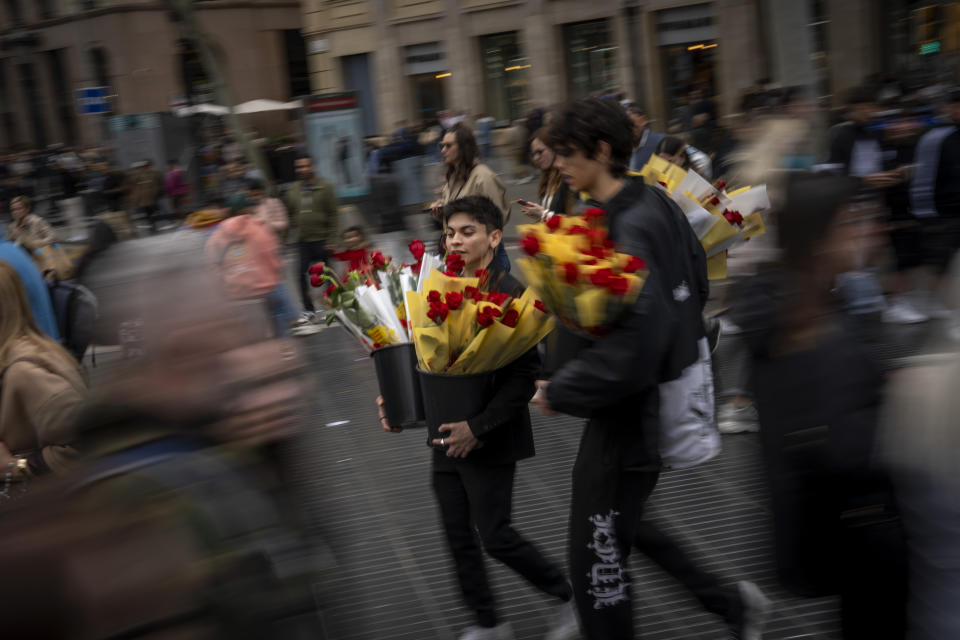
x=648 y=143
x=37 y=292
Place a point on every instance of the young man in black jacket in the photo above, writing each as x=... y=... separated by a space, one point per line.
x=473 y=483
x=614 y=384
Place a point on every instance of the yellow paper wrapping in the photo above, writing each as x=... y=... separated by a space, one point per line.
x=717 y=266
x=437 y=281
x=718 y=234
x=753 y=225
x=591 y=307
x=433 y=348
x=461 y=324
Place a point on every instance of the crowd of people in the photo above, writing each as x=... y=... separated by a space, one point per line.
x=857 y=451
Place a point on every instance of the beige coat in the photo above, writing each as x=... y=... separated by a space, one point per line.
x=40 y=393
x=33 y=232
x=481 y=182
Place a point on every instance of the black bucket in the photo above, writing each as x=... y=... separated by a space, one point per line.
x=396 y=366
x=562 y=346
x=449 y=399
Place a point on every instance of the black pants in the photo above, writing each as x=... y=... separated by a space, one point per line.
x=310 y=253
x=476 y=498
x=606 y=522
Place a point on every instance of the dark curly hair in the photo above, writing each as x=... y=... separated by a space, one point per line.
x=584 y=124
x=480 y=209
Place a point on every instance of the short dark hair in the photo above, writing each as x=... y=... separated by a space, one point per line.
x=255 y=184
x=480 y=209
x=584 y=124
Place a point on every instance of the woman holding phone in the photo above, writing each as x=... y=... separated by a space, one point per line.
x=555 y=195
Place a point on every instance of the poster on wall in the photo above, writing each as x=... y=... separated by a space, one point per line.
x=333 y=124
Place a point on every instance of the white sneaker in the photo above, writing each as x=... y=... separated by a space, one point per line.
x=900 y=311
x=565 y=625
x=307 y=329
x=305 y=318
x=734 y=419
x=500 y=632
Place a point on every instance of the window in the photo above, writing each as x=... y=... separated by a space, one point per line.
x=61 y=94
x=13 y=12
x=28 y=81
x=591 y=63
x=6 y=109
x=504 y=75
x=46 y=9
x=298 y=73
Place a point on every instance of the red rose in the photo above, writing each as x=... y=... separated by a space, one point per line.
x=570 y=273
x=662 y=183
x=601 y=277
x=577 y=229
x=438 y=312
x=554 y=222
x=416 y=268
x=618 y=285
x=377 y=260
x=332 y=289
x=539 y=305
x=454 y=262
x=497 y=298
x=715 y=200
x=720 y=185
x=473 y=292
x=590 y=262
x=451 y=274
x=593 y=216
x=417 y=249
x=454 y=300
x=316 y=269
x=634 y=264
x=733 y=217
x=434 y=296
x=510 y=318
x=316 y=281
x=496 y=313
x=595 y=252
x=483 y=275
x=530 y=245
x=484 y=319
x=608 y=243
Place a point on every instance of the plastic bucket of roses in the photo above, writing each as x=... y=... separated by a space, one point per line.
x=453 y=398
x=396 y=367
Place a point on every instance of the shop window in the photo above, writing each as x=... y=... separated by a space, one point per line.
x=591 y=58
x=504 y=76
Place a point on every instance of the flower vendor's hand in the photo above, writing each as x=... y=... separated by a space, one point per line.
x=459 y=439
x=540 y=398
x=533 y=211
x=383 y=418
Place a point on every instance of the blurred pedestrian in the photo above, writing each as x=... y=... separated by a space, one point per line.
x=246 y=254
x=935 y=197
x=29 y=230
x=645 y=139
x=855 y=146
x=615 y=384
x=467 y=176
x=484 y=129
x=817 y=391
x=685 y=156
x=555 y=195
x=144 y=187
x=175 y=188
x=41 y=388
x=314 y=213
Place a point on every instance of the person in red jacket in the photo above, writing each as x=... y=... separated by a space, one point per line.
x=357 y=253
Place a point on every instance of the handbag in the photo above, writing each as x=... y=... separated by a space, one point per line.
x=688 y=427
x=53 y=259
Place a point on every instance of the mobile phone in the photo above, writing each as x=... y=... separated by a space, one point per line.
x=521 y=201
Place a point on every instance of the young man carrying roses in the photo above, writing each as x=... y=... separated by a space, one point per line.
x=614 y=384
x=474 y=461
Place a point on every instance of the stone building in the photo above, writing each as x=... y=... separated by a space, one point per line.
x=407 y=59
x=51 y=48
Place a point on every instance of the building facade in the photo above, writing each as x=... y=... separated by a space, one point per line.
x=51 y=48
x=407 y=59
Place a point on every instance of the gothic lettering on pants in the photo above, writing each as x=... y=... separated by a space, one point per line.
x=608 y=584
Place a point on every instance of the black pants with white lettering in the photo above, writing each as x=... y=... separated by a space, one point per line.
x=477 y=499
x=605 y=524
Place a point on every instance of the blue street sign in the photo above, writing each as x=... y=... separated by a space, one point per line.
x=91 y=100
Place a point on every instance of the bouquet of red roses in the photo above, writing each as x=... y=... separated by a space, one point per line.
x=574 y=268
